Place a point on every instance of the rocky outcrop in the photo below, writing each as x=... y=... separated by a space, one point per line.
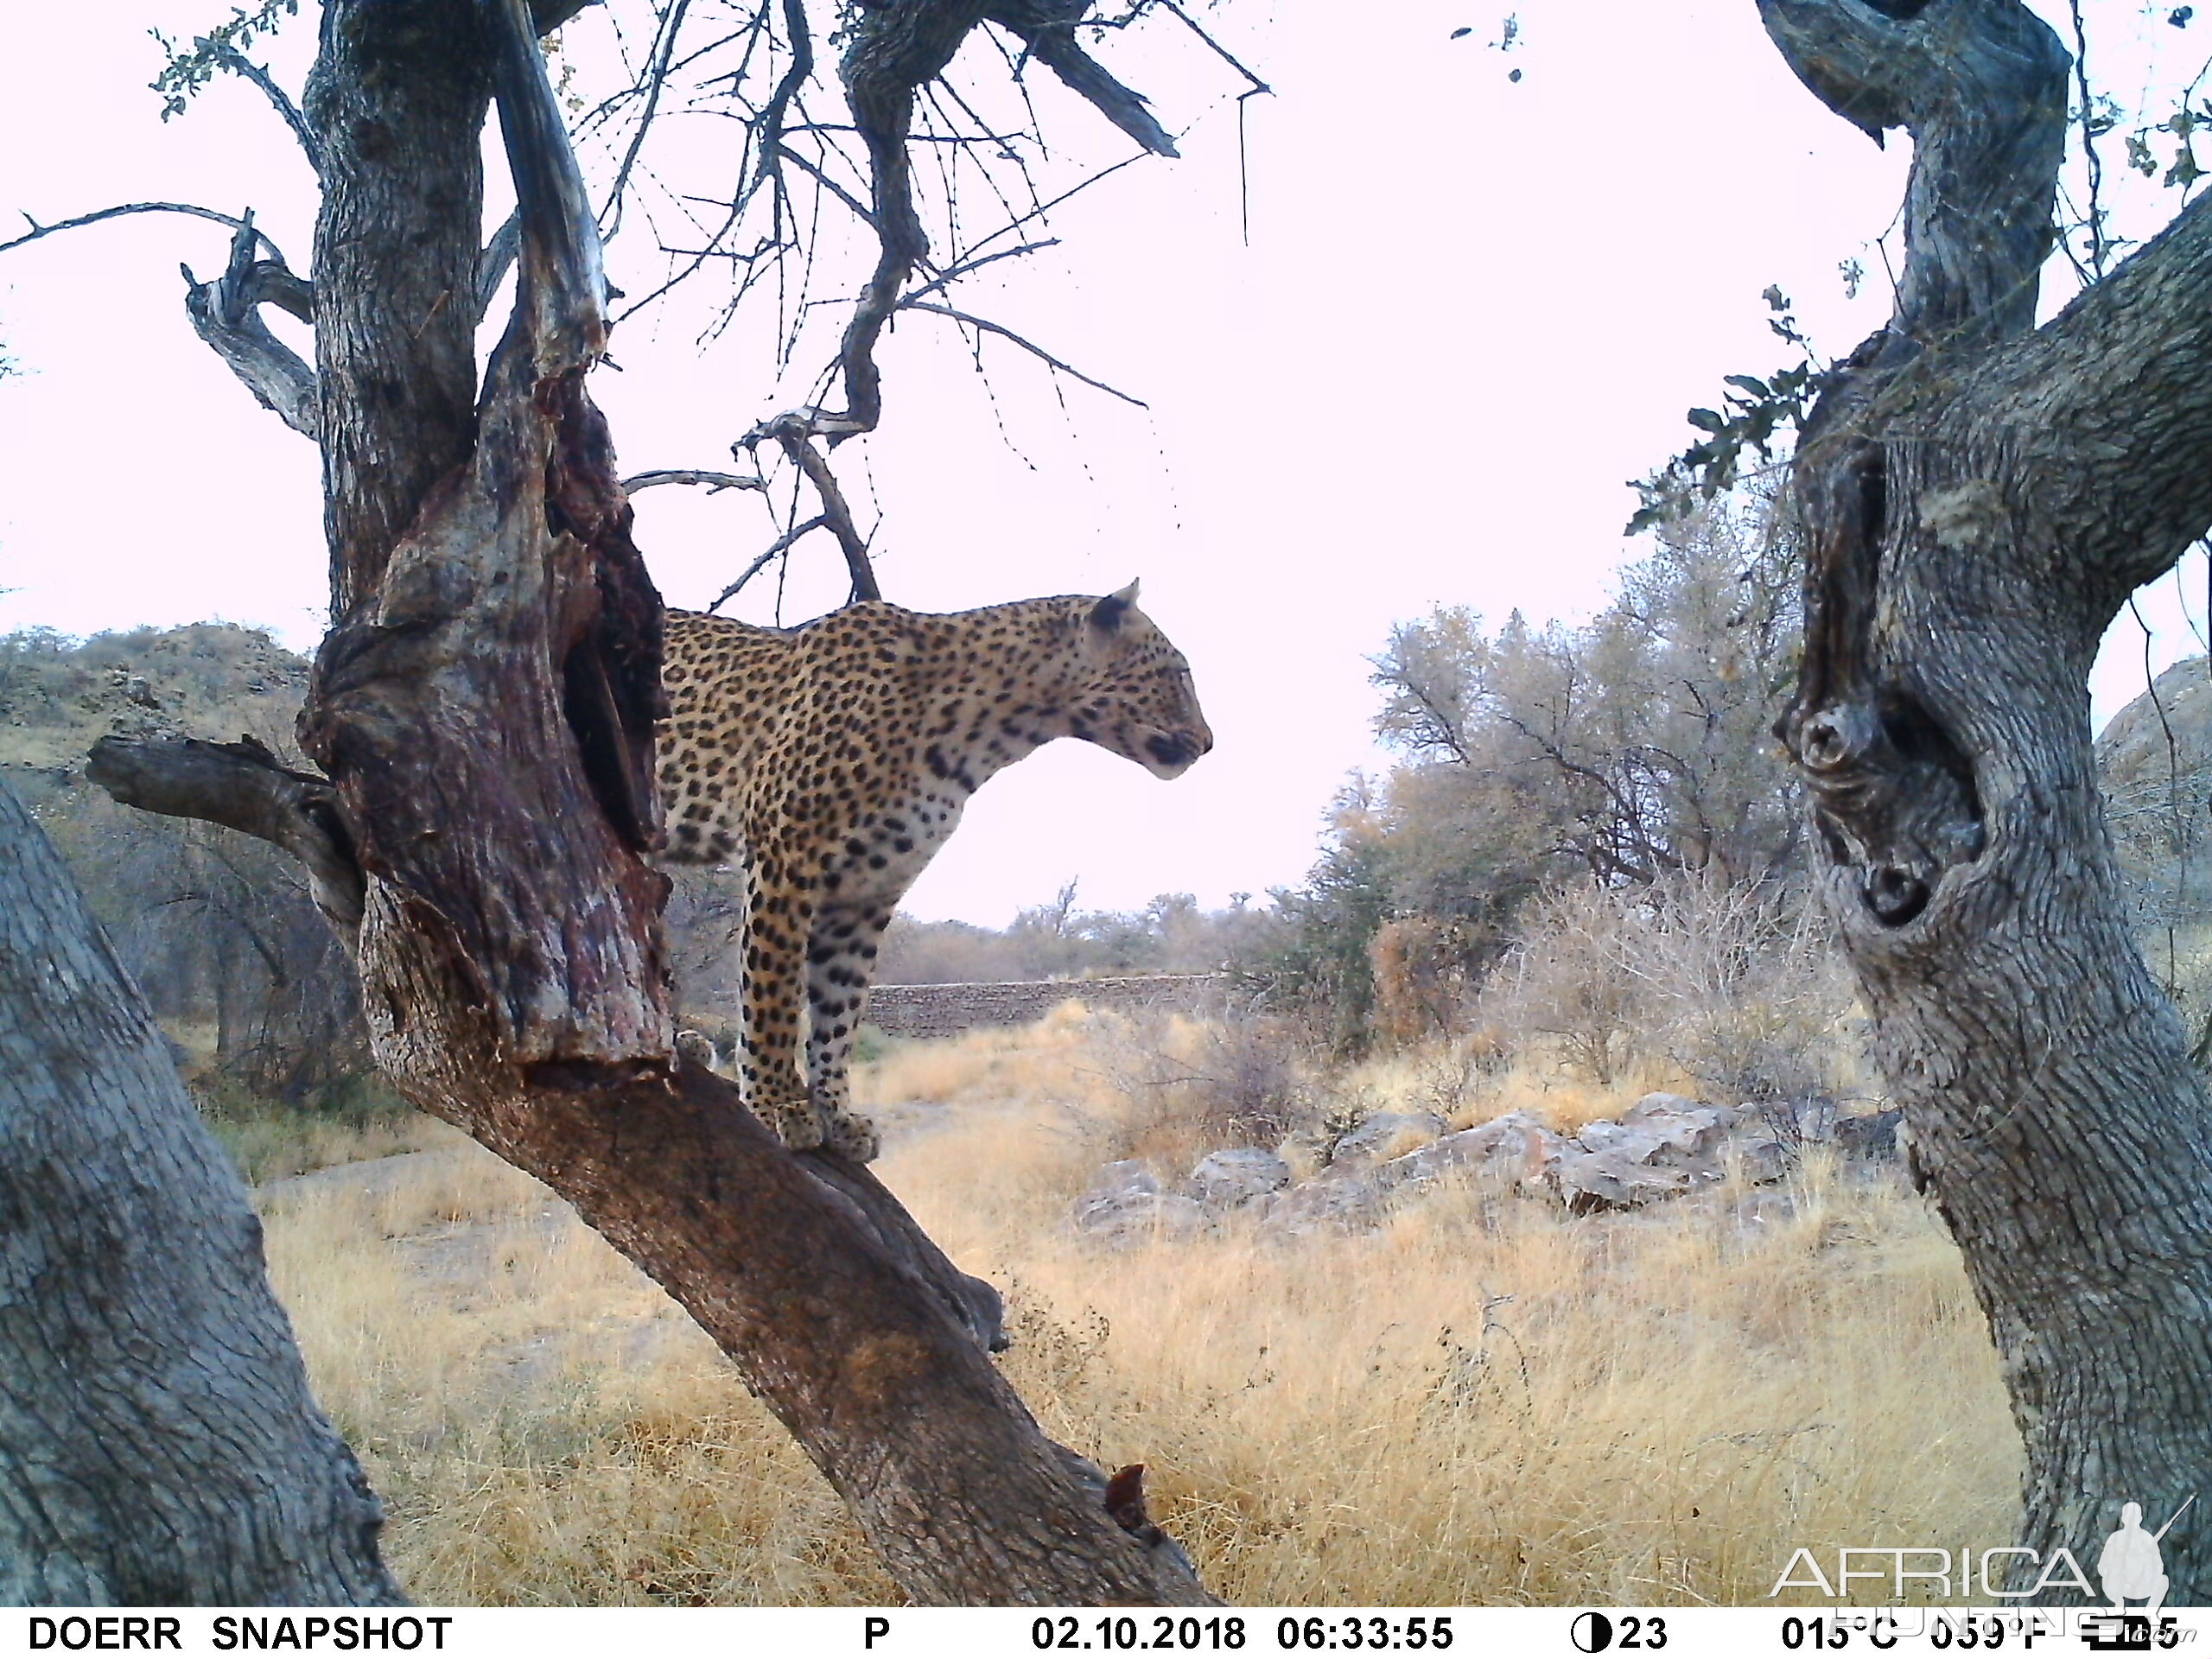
x=1663 y=1147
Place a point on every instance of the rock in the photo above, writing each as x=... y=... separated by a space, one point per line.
x=1127 y=1175
x=1237 y=1176
x=1660 y=1103
x=1625 y=1142
x=1759 y=1156
x=1872 y=1135
x=1336 y=1200
x=1515 y=1145
x=1610 y=1178
x=1663 y=1146
x=1690 y=1127
x=1142 y=1217
x=1127 y=1207
x=1385 y=1136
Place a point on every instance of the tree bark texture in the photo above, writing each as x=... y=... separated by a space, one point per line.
x=158 y=1442
x=485 y=706
x=1979 y=499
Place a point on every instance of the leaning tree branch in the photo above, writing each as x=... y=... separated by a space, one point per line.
x=2118 y=389
x=226 y=313
x=242 y=786
x=486 y=708
x=236 y=61
x=1047 y=31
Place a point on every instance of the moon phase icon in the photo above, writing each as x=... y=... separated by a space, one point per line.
x=1593 y=1632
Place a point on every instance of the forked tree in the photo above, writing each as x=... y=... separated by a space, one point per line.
x=1979 y=497
x=483 y=709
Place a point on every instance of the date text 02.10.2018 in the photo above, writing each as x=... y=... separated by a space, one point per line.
x=1124 y=1633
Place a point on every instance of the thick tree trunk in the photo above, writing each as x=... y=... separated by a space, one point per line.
x=485 y=707
x=158 y=1443
x=1979 y=501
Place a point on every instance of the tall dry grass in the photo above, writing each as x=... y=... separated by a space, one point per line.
x=1486 y=1401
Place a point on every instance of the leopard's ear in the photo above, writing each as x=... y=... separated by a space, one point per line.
x=1108 y=612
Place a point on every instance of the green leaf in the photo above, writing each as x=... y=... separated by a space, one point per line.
x=1749 y=383
x=1706 y=420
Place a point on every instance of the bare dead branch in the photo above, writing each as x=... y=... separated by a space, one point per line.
x=800 y=71
x=226 y=313
x=1254 y=83
x=242 y=786
x=38 y=230
x=781 y=544
x=492 y=264
x=716 y=483
x=794 y=434
x=564 y=277
x=968 y=267
x=236 y=61
x=671 y=25
x=988 y=327
x=1046 y=30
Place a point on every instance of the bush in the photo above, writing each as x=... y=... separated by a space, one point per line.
x=1734 y=983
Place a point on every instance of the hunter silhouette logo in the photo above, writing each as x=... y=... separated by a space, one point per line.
x=2130 y=1568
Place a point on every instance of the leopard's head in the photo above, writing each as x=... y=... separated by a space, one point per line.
x=1133 y=692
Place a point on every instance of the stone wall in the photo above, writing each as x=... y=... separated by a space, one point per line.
x=947 y=1010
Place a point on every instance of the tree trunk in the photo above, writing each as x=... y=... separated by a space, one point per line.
x=158 y=1443
x=485 y=706
x=1980 y=498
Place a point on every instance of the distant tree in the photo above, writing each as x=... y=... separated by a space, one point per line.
x=1620 y=752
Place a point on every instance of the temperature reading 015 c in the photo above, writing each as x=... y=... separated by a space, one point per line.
x=1596 y=1632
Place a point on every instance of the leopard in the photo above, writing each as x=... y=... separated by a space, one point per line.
x=827 y=763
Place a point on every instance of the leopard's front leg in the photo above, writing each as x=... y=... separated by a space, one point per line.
x=778 y=917
x=840 y=969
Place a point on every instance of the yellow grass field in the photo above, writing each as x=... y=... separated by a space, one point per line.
x=1487 y=1401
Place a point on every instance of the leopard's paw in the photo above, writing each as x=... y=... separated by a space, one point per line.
x=855 y=1137
x=796 y=1123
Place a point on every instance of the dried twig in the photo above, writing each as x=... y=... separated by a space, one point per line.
x=38 y=230
x=716 y=483
x=989 y=328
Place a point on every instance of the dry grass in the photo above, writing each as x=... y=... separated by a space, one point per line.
x=1486 y=1402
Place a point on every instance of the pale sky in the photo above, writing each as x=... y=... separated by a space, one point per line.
x=1470 y=308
